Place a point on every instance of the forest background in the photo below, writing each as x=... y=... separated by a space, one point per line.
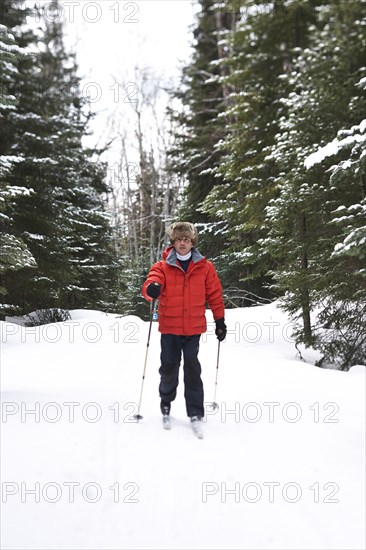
x=262 y=145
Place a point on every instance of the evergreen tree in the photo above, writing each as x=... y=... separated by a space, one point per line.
x=63 y=219
x=264 y=44
x=302 y=232
x=14 y=254
x=341 y=282
x=292 y=78
x=204 y=95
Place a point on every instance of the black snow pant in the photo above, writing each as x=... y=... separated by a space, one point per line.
x=172 y=347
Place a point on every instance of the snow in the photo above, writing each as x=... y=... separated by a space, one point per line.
x=354 y=241
x=281 y=466
x=9 y=48
x=34 y=236
x=8 y=160
x=336 y=145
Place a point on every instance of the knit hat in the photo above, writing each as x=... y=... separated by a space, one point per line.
x=179 y=230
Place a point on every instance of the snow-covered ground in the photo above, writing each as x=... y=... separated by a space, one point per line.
x=282 y=463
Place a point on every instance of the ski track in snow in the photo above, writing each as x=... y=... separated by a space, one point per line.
x=283 y=425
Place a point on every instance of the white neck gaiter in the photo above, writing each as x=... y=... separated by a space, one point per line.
x=185 y=257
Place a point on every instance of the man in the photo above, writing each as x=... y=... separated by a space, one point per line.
x=184 y=281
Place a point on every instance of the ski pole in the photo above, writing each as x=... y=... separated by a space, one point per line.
x=215 y=405
x=138 y=416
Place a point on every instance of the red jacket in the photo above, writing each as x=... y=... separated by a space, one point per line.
x=182 y=302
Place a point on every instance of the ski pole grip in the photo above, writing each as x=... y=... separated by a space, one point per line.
x=153 y=290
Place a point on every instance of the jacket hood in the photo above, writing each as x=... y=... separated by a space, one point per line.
x=170 y=255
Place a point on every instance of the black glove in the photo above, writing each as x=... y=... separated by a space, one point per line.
x=220 y=329
x=153 y=290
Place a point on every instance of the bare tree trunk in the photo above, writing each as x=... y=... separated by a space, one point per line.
x=304 y=291
x=129 y=220
x=220 y=50
x=142 y=205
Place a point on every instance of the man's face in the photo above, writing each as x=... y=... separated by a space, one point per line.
x=183 y=246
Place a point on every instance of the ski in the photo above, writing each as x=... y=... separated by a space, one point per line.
x=197 y=427
x=166 y=422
